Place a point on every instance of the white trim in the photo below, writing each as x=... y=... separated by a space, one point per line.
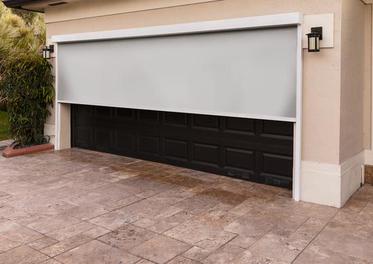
x=351 y=176
x=297 y=159
x=371 y=88
x=187 y=28
x=180 y=110
x=57 y=141
x=369 y=157
x=331 y=184
x=204 y=27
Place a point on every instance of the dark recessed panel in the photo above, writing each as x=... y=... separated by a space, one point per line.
x=176 y=149
x=83 y=110
x=278 y=128
x=206 y=153
x=277 y=164
x=206 y=121
x=102 y=138
x=148 y=145
x=148 y=116
x=83 y=116
x=250 y=149
x=276 y=180
x=125 y=113
x=104 y=112
x=124 y=142
x=239 y=125
x=83 y=136
x=239 y=158
x=175 y=119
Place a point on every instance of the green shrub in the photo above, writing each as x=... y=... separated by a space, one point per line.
x=27 y=82
x=2 y=103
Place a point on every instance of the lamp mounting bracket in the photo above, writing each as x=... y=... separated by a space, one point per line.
x=317 y=30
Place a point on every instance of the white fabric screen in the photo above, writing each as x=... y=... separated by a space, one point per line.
x=247 y=73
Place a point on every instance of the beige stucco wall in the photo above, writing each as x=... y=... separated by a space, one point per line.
x=355 y=78
x=322 y=71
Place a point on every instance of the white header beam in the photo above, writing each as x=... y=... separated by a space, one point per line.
x=188 y=28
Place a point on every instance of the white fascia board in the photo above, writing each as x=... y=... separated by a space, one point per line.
x=187 y=28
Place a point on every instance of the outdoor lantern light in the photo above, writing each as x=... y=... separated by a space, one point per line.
x=314 y=39
x=47 y=50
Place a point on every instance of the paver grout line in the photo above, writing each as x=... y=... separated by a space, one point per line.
x=363 y=207
x=181 y=255
x=141 y=199
x=25 y=245
x=41 y=252
x=318 y=233
x=86 y=242
x=236 y=235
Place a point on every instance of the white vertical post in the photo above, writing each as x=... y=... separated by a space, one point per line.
x=298 y=124
x=57 y=125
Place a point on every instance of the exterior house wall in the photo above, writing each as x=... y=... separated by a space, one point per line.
x=355 y=77
x=355 y=85
x=367 y=97
x=321 y=106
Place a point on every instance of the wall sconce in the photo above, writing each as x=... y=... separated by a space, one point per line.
x=314 y=39
x=47 y=50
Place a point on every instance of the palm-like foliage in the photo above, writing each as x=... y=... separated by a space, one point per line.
x=20 y=32
x=19 y=35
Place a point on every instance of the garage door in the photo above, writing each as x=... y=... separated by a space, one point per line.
x=256 y=150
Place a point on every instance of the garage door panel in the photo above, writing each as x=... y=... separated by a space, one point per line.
x=239 y=158
x=149 y=145
x=274 y=146
x=242 y=174
x=176 y=149
x=205 y=122
x=103 y=138
x=276 y=180
x=241 y=151
x=83 y=136
x=276 y=129
x=277 y=164
x=206 y=153
x=239 y=125
x=145 y=116
x=124 y=142
x=175 y=119
x=124 y=113
x=104 y=112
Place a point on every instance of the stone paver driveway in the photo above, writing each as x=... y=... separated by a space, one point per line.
x=78 y=206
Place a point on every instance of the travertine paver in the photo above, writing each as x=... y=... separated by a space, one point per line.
x=160 y=249
x=77 y=206
x=22 y=255
x=95 y=252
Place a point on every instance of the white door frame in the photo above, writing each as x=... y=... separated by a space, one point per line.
x=289 y=19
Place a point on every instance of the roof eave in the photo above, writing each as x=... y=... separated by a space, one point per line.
x=20 y=4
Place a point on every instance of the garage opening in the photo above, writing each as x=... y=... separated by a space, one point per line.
x=218 y=96
x=251 y=149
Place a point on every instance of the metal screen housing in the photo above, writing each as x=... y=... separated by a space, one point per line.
x=245 y=73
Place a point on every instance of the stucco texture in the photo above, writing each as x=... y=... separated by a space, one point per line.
x=355 y=78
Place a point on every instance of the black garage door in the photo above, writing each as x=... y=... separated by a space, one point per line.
x=256 y=150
